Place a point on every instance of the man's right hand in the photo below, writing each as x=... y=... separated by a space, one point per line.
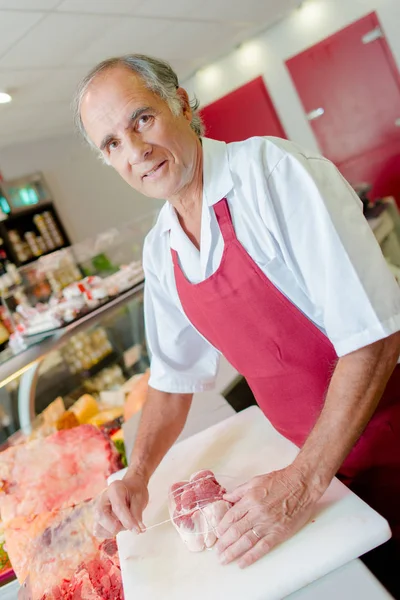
x=120 y=507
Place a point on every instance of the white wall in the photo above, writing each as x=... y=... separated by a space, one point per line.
x=89 y=196
x=266 y=56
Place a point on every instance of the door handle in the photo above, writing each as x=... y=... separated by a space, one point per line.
x=315 y=114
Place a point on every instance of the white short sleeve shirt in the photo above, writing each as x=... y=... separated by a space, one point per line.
x=303 y=225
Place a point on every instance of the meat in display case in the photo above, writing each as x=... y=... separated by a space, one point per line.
x=65 y=392
x=75 y=396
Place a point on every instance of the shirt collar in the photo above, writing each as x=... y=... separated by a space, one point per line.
x=217 y=180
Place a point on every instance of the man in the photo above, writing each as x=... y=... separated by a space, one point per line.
x=261 y=252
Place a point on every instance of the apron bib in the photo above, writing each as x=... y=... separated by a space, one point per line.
x=288 y=363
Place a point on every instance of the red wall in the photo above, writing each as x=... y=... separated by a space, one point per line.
x=245 y=112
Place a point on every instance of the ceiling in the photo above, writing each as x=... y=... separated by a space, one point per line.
x=46 y=46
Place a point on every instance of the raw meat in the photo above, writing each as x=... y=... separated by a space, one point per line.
x=62 y=557
x=196 y=508
x=61 y=470
x=48 y=518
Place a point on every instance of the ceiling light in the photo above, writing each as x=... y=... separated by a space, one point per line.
x=4 y=98
x=250 y=54
x=311 y=12
x=209 y=76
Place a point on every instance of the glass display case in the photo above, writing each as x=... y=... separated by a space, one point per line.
x=94 y=355
x=73 y=324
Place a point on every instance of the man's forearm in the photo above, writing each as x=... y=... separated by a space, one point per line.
x=163 y=418
x=356 y=387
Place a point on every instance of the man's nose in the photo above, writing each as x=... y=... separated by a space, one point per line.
x=138 y=149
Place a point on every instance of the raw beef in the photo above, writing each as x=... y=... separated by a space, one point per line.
x=64 y=469
x=62 y=557
x=196 y=508
x=46 y=492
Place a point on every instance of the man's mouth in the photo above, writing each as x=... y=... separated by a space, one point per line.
x=154 y=170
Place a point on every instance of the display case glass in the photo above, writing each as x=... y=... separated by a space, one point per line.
x=105 y=351
x=44 y=296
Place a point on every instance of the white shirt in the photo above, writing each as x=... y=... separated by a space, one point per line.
x=303 y=225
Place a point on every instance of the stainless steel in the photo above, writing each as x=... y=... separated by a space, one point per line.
x=20 y=363
x=371 y=36
x=315 y=114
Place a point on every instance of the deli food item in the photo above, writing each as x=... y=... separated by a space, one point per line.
x=85 y=408
x=196 y=508
x=137 y=394
x=67 y=421
x=65 y=468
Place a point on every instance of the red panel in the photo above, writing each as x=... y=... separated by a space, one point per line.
x=380 y=166
x=246 y=112
x=358 y=86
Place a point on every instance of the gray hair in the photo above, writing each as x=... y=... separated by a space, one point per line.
x=158 y=76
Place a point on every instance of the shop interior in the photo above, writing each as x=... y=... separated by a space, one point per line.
x=322 y=73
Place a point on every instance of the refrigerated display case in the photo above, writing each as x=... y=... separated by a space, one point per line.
x=96 y=353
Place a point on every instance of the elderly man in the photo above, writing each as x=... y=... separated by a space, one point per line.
x=261 y=253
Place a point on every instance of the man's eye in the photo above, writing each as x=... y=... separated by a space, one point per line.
x=112 y=145
x=143 y=120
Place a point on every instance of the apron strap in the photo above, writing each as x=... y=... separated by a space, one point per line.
x=224 y=220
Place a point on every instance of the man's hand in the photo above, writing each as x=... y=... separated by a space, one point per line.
x=268 y=510
x=120 y=507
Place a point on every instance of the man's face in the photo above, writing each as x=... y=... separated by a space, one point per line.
x=152 y=149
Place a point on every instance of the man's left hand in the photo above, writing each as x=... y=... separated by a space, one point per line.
x=267 y=510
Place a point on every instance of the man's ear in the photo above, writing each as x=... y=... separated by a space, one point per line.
x=185 y=103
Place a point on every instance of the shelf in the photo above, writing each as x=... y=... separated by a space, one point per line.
x=35 y=258
x=26 y=212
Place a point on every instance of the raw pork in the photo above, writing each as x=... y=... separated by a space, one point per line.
x=62 y=470
x=196 y=508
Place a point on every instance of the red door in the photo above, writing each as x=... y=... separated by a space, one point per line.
x=349 y=85
x=245 y=112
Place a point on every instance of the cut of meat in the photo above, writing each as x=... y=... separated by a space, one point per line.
x=196 y=508
x=46 y=503
x=64 y=469
x=97 y=579
x=62 y=557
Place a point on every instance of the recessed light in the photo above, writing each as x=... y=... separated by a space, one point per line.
x=4 y=98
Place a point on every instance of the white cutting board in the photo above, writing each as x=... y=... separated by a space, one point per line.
x=157 y=565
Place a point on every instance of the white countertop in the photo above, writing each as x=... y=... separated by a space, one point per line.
x=352 y=581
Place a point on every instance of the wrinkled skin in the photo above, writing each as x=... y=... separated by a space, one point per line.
x=120 y=507
x=275 y=506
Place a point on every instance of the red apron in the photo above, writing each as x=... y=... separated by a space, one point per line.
x=288 y=363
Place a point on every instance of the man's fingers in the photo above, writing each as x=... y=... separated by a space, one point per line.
x=233 y=515
x=238 y=493
x=137 y=512
x=233 y=534
x=109 y=523
x=104 y=534
x=120 y=504
x=261 y=548
x=240 y=546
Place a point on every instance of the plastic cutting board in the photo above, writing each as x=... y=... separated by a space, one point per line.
x=157 y=564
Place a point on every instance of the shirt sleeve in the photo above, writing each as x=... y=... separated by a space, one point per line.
x=182 y=361
x=328 y=244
